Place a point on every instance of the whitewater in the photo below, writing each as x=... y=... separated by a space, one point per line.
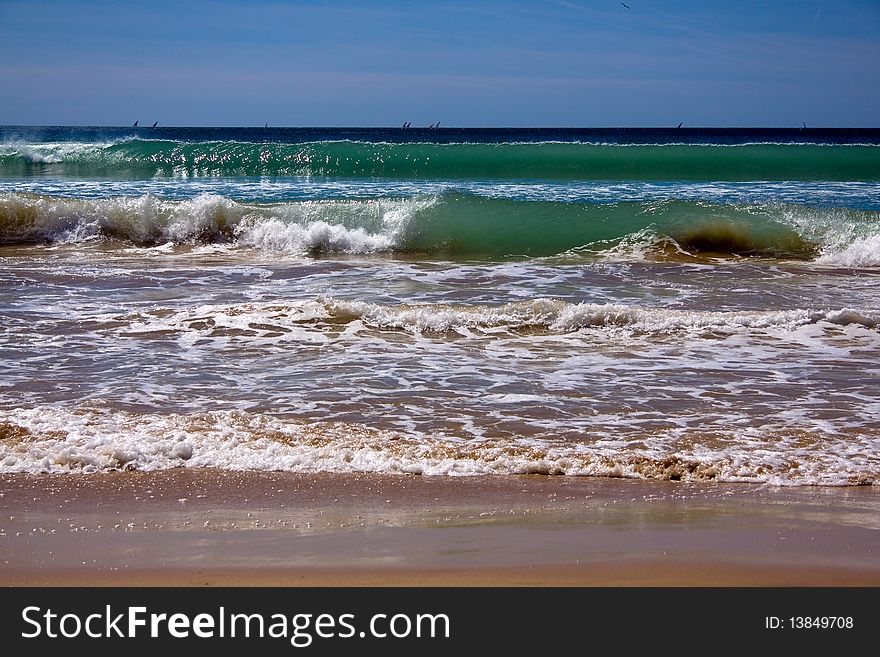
x=656 y=304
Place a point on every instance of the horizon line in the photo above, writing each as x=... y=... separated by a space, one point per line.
x=447 y=127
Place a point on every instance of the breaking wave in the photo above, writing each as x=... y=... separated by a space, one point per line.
x=453 y=223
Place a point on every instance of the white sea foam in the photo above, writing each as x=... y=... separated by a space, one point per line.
x=543 y=315
x=296 y=227
x=50 y=152
x=561 y=317
x=846 y=237
x=862 y=252
x=319 y=236
x=58 y=440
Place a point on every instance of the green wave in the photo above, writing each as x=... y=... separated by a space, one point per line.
x=497 y=227
x=550 y=160
x=460 y=225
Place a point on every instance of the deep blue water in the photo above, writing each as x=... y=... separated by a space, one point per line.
x=447 y=135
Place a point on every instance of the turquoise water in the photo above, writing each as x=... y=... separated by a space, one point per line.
x=640 y=303
x=145 y=158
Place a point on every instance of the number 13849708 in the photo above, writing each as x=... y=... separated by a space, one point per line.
x=809 y=623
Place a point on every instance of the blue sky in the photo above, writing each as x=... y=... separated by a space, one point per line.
x=550 y=63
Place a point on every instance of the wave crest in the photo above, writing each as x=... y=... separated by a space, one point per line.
x=457 y=224
x=539 y=315
x=144 y=158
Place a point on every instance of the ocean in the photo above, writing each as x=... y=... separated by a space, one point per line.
x=684 y=304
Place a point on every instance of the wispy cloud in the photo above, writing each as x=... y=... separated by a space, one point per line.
x=816 y=17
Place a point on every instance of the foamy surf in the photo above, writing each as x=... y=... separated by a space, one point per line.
x=293 y=320
x=60 y=440
x=49 y=153
x=691 y=305
x=297 y=227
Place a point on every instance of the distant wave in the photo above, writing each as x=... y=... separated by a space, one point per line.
x=143 y=158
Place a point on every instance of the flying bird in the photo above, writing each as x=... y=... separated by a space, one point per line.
x=625 y=5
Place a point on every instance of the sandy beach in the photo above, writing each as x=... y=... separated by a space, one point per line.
x=193 y=527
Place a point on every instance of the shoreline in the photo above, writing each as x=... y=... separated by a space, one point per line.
x=636 y=574
x=189 y=527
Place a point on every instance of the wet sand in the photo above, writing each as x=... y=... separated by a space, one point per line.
x=191 y=527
